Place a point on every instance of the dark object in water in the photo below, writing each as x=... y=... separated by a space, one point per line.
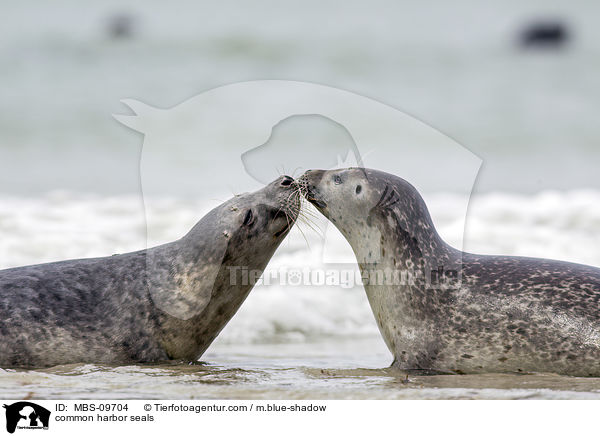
x=121 y=26
x=544 y=34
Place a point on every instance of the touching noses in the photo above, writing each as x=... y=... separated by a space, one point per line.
x=312 y=178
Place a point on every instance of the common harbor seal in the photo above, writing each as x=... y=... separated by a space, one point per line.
x=444 y=310
x=166 y=302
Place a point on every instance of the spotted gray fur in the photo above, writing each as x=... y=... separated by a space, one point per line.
x=105 y=310
x=460 y=312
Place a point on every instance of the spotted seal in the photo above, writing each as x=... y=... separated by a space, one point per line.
x=445 y=310
x=166 y=302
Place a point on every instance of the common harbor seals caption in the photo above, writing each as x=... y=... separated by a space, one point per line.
x=456 y=312
x=166 y=302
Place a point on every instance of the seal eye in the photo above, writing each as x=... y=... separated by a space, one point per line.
x=358 y=189
x=249 y=218
x=337 y=180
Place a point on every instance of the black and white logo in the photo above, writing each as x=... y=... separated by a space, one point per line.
x=26 y=415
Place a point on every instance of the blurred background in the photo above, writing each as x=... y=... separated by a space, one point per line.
x=467 y=69
x=515 y=82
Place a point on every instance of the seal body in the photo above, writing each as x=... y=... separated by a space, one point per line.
x=166 y=302
x=444 y=310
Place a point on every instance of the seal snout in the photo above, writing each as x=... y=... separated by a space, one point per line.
x=284 y=204
x=308 y=186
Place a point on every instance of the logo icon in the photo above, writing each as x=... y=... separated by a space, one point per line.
x=26 y=415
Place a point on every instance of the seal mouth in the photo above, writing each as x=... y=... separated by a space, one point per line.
x=307 y=189
x=319 y=204
x=309 y=194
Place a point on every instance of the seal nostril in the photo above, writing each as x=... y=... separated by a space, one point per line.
x=287 y=181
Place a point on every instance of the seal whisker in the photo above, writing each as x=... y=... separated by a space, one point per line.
x=308 y=216
x=306 y=212
x=285 y=206
x=296 y=169
x=298 y=198
x=303 y=236
x=303 y=214
x=311 y=225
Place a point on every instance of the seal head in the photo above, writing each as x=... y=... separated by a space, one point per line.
x=199 y=282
